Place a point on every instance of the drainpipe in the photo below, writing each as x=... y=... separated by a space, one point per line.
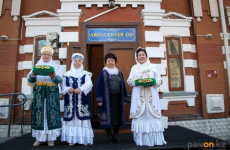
x=225 y=38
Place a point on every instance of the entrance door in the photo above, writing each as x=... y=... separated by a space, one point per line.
x=74 y=48
x=96 y=64
x=125 y=61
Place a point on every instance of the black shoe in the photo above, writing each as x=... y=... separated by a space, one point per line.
x=115 y=136
x=109 y=135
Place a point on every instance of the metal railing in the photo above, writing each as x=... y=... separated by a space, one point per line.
x=12 y=105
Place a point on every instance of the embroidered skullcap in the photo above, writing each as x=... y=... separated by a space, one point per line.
x=47 y=49
x=77 y=56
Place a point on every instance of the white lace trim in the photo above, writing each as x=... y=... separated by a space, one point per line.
x=46 y=135
x=148 y=132
x=75 y=134
x=77 y=131
x=141 y=126
x=149 y=139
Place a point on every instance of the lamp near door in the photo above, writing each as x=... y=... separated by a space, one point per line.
x=111 y=3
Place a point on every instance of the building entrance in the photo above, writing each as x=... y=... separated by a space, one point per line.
x=94 y=62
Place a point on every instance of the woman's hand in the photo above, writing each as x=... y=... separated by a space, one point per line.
x=33 y=74
x=99 y=104
x=52 y=75
x=77 y=91
x=71 y=90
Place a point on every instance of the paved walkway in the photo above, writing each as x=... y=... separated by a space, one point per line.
x=176 y=137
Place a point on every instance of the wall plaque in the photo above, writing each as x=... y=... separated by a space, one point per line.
x=212 y=73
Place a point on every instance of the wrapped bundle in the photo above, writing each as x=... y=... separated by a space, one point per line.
x=43 y=70
x=145 y=82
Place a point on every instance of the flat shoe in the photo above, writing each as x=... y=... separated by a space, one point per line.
x=36 y=143
x=50 y=143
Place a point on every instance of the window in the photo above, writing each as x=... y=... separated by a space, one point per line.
x=40 y=42
x=175 y=66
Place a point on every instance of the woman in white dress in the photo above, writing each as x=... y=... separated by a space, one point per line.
x=46 y=117
x=145 y=110
x=76 y=86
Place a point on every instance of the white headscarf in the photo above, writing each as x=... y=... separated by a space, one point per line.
x=139 y=69
x=111 y=71
x=76 y=72
x=47 y=78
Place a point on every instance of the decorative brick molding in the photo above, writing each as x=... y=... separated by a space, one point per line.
x=190 y=63
x=62 y=53
x=1 y=2
x=214 y=10
x=28 y=48
x=153 y=36
x=187 y=96
x=69 y=37
x=40 y=26
x=155 y=52
x=100 y=3
x=25 y=88
x=16 y=8
x=197 y=8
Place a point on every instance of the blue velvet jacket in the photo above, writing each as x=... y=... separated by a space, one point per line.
x=82 y=102
x=103 y=95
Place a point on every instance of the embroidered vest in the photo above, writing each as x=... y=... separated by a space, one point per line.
x=82 y=102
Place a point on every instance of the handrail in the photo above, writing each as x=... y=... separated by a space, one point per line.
x=12 y=105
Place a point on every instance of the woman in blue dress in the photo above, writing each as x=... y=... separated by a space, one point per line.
x=111 y=98
x=76 y=86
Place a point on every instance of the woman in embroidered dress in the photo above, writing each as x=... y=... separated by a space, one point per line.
x=145 y=108
x=111 y=98
x=76 y=86
x=46 y=118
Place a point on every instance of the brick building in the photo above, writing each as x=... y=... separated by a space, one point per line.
x=185 y=38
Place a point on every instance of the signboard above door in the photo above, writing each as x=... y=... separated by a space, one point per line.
x=111 y=34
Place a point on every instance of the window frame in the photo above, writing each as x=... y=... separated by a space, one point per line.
x=181 y=64
x=36 y=57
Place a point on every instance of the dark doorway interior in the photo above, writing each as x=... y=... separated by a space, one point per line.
x=95 y=65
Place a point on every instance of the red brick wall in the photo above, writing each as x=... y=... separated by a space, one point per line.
x=178 y=6
x=180 y=110
x=227 y=4
x=29 y=7
x=8 y=51
x=210 y=57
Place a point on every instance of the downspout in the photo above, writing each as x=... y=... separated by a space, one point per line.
x=225 y=38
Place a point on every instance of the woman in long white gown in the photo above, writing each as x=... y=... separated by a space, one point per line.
x=145 y=110
x=76 y=86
